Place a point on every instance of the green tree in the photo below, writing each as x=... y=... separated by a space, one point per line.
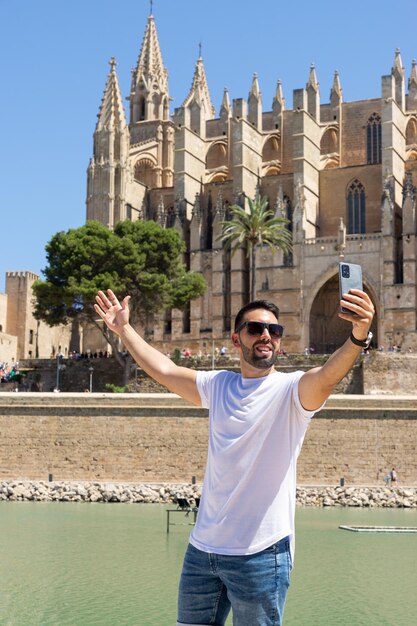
x=139 y=258
x=258 y=227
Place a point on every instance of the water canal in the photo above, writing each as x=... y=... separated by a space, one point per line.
x=70 y=564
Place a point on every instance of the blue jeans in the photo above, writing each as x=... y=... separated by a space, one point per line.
x=254 y=586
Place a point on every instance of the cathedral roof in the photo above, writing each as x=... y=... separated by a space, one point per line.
x=199 y=91
x=112 y=113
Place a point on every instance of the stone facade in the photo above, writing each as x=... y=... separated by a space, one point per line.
x=8 y=343
x=21 y=335
x=344 y=173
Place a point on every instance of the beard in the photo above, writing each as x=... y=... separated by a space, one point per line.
x=254 y=359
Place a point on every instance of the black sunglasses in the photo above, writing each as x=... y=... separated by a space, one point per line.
x=257 y=328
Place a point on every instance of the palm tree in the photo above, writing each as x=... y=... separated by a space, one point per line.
x=259 y=227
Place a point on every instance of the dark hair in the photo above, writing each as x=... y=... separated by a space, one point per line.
x=256 y=304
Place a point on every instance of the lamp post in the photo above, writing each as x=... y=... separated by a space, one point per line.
x=59 y=367
x=57 y=371
x=91 y=370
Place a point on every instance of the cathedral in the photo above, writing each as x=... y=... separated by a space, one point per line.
x=343 y=173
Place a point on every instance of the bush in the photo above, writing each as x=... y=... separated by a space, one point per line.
x=116 y=389
x=176 y=356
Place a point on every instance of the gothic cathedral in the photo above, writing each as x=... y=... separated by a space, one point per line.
x=343 y=173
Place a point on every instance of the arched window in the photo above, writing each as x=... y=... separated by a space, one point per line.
x=329 y=142
x=373 y=139
x=356 y=208
x=411 y=132
x=271 y=150
x=144 y=172
x=142 y=108
x=170 y=219
x=155 y=102
x=216 y=156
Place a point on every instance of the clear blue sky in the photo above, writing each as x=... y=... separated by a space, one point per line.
x=55 y=64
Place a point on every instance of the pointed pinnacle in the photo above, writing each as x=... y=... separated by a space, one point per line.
x=398 y=64
x=255 y=86
x=413 y=77
x=312 y=79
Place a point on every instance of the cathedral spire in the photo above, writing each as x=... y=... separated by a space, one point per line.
x=149 y=89
x=278 y=103
x=255 y=104
x=412 y=81
x=279 y=98
x=398 y=64
x=255 y=91
x=412 y=87
x=225 y=108
x=313 y=94
x=107 y=171
x=399 y=78
x=336 y=90
x=199 y=91
x=312 y=78
x=112 y=113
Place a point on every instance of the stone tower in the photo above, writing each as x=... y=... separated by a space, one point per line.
x=34 y=339
x=108 y=168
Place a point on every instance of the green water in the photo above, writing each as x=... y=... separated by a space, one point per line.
x=66 y=564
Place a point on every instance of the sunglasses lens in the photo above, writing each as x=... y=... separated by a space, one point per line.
x=275 y=330
x=257 y=328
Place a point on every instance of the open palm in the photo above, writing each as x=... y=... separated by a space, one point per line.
x=114 y=314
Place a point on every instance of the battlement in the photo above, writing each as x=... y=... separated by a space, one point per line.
x=22 y=274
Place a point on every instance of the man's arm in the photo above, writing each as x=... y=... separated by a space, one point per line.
x=317 y=384
x=180 y=380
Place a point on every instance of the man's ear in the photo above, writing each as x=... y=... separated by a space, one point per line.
x=235 y=340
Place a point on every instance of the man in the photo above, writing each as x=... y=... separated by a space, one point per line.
x=241 y=549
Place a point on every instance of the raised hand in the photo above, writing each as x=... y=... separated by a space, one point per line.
x=114 y=314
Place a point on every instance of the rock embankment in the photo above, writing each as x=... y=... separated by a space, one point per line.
x=351 y=496
x=66 y=491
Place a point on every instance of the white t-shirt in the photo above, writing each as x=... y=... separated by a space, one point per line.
x=256 y=429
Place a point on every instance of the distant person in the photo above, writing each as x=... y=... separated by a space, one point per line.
x=241 y=548
x=393 y=476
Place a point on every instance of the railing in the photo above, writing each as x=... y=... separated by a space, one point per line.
x=353 y=237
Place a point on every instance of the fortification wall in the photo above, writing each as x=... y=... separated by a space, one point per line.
x=157 y=437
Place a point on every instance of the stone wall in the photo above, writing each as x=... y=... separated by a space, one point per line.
x=158 y=437
x=8 y=348
x=75 y=376
x=390 y=373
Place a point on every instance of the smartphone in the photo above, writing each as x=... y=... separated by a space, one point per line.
x=350 y=277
